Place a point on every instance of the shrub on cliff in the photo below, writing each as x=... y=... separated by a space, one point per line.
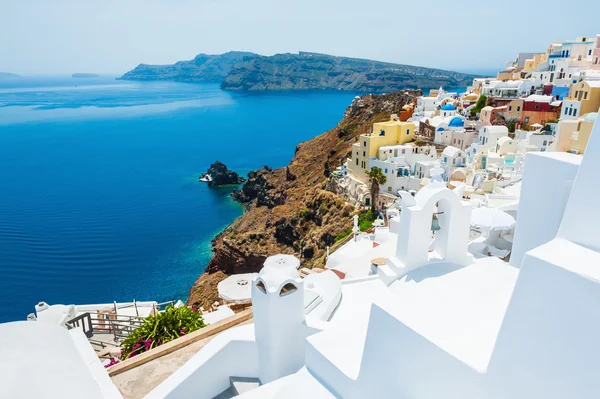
x=160 y=329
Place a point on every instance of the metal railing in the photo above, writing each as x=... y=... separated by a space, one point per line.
x=120 y=326
x=109 y=322
x=84 y=322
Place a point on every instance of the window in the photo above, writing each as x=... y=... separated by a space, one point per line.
x=585 y=95
x=356 y=161
x=287 y=289
x=537 y=106
x=576 y=93
x=385 y=170
x=403 y=151
x=518 y=108
x=526 y=119
x=570 y=110
x=364 y=143
x=545 y=143
x=510 y=107
x=575 y=112
x=590 y=52
x=389 y=188
x=261 y=286
x=407 y=131
x=566 y=109
x=364 y=153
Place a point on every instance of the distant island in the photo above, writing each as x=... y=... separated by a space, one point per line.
x=8 y=75
x=85 y=75
x=302 y=71
x=203 y=68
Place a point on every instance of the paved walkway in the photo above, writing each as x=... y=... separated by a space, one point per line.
x=138 y=382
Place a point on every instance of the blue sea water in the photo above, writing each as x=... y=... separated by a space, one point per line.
x=99 y=192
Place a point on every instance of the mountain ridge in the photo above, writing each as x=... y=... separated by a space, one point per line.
x=203 y=68
x=244 y=71
x=317 y=71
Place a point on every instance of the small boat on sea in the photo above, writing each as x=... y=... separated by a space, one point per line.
x=205 y=178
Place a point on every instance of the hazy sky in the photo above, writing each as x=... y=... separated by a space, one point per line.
x=113 y=36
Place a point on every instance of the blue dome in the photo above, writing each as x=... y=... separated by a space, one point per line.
x=457 y=122
x=448 y=107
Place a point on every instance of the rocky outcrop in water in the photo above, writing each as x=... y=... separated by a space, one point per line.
x=221 y=176
x=8 y=75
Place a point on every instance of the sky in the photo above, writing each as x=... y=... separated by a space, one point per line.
x=49 y=37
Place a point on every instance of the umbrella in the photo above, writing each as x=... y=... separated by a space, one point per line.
x=492 y=219
x=282 y=261
x=237 y=288
x=537 y=125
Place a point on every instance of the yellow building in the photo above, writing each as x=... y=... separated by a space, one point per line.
x=580 y=138
x=384 y=133
x=514 y=110
x=574 y=134
x=588 y=94
x=533 y=63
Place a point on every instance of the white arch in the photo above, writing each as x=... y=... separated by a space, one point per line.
x=414 y=237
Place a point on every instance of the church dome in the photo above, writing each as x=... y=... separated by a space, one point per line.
x=448 y=107
x=457 y=122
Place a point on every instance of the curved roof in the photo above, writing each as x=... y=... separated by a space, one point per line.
x=457 y=122
x=451 y=151
x=448 y=107
x=503 y=140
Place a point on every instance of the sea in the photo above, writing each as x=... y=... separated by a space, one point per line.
x=99 y=192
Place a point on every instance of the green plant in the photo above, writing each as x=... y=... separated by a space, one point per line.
x=511 y=124
x=366 y=219
x=481 y=102
x=160 y=329
x=376 y=178
x=343 y=234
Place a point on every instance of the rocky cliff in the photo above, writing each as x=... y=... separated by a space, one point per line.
x=312 y=71
x=203 y=68
x=303 y=71
x=288 y=210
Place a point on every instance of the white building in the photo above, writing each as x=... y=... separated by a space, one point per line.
x=403 y=165
x=489 y=136
x=451 y=159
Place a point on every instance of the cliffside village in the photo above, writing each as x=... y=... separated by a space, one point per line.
x=480 y=279
x=545 y=101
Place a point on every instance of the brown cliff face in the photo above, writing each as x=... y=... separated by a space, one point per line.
x=287 y=209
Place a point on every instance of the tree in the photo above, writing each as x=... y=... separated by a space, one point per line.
x=481 y=102
x=376 y=178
